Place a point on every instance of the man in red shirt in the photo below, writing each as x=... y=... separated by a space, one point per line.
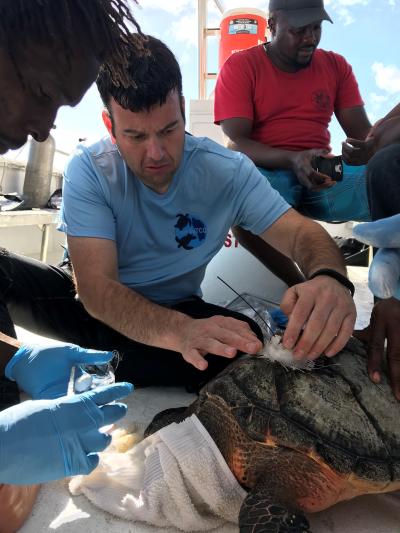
x=274 y=103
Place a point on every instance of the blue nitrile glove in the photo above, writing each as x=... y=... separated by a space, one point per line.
x=43 y=372
x=384 y=272
x=279 y=318
x=44 y=440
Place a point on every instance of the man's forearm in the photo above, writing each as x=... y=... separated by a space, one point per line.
x=306 y=242
x=131 y=314
x=314 y=249
x=262 y=154
x=8 y=347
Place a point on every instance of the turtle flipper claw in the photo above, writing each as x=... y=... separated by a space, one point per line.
x=166 y=417
x=259 y=514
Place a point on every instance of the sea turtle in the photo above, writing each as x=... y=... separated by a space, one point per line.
x=300 y=441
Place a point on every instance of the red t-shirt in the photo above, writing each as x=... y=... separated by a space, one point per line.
x=291 y=111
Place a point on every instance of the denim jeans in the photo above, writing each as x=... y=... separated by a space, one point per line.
x=383 y=182
x=347 y=200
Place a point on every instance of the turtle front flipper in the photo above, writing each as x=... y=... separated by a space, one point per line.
x=265 y=511
x=166 y=417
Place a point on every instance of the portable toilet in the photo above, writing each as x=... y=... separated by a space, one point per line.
x=241 y=28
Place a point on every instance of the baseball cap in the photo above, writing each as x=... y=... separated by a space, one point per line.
x=301 y=12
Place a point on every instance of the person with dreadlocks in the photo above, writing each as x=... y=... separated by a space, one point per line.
x=50 y=53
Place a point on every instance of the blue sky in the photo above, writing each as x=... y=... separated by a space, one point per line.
x=364 y=31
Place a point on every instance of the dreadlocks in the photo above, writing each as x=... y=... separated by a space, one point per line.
x=98 y=26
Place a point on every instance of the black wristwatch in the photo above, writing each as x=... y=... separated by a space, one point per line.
x=335 y=275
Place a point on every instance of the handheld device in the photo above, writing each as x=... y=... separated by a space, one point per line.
x=331 y=166
x=94 y=376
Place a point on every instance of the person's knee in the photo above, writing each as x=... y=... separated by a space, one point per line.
x=6 y=284
x=16 y=503
x=383 y=181
x=286 y=183
x=384 y=161
x=4 y=254
x=5 y=269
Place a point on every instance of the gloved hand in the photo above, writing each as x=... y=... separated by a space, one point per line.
x=43 y=371
x=44 y=440
x=384 y=272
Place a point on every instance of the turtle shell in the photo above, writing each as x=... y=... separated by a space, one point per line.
x=333 y=414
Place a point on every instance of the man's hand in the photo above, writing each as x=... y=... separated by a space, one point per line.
x=43 y=371
x=309 y=177
x=384 y=132
x=384 y=325
x=218 y=335
x=356 y=152
x=384 y=282
x=321 y=317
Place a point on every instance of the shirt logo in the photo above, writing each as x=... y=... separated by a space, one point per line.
x=322 y=100
x=190 y=231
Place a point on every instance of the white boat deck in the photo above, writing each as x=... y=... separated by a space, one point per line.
x=57 y=510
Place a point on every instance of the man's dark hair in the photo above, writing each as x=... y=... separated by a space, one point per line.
x=152 y=76
x=98 y=27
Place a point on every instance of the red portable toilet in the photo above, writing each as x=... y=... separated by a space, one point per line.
x=241 y=28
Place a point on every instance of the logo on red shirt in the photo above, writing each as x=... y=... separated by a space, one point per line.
x=321 y=99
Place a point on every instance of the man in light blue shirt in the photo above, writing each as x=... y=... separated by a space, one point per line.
x=176 y=232
x=145 y=211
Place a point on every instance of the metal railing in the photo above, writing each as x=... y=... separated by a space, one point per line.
x=203 y=33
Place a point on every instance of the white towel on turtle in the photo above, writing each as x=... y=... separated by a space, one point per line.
x=175 y=477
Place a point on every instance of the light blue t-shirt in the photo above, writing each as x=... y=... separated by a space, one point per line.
x=165 y=241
